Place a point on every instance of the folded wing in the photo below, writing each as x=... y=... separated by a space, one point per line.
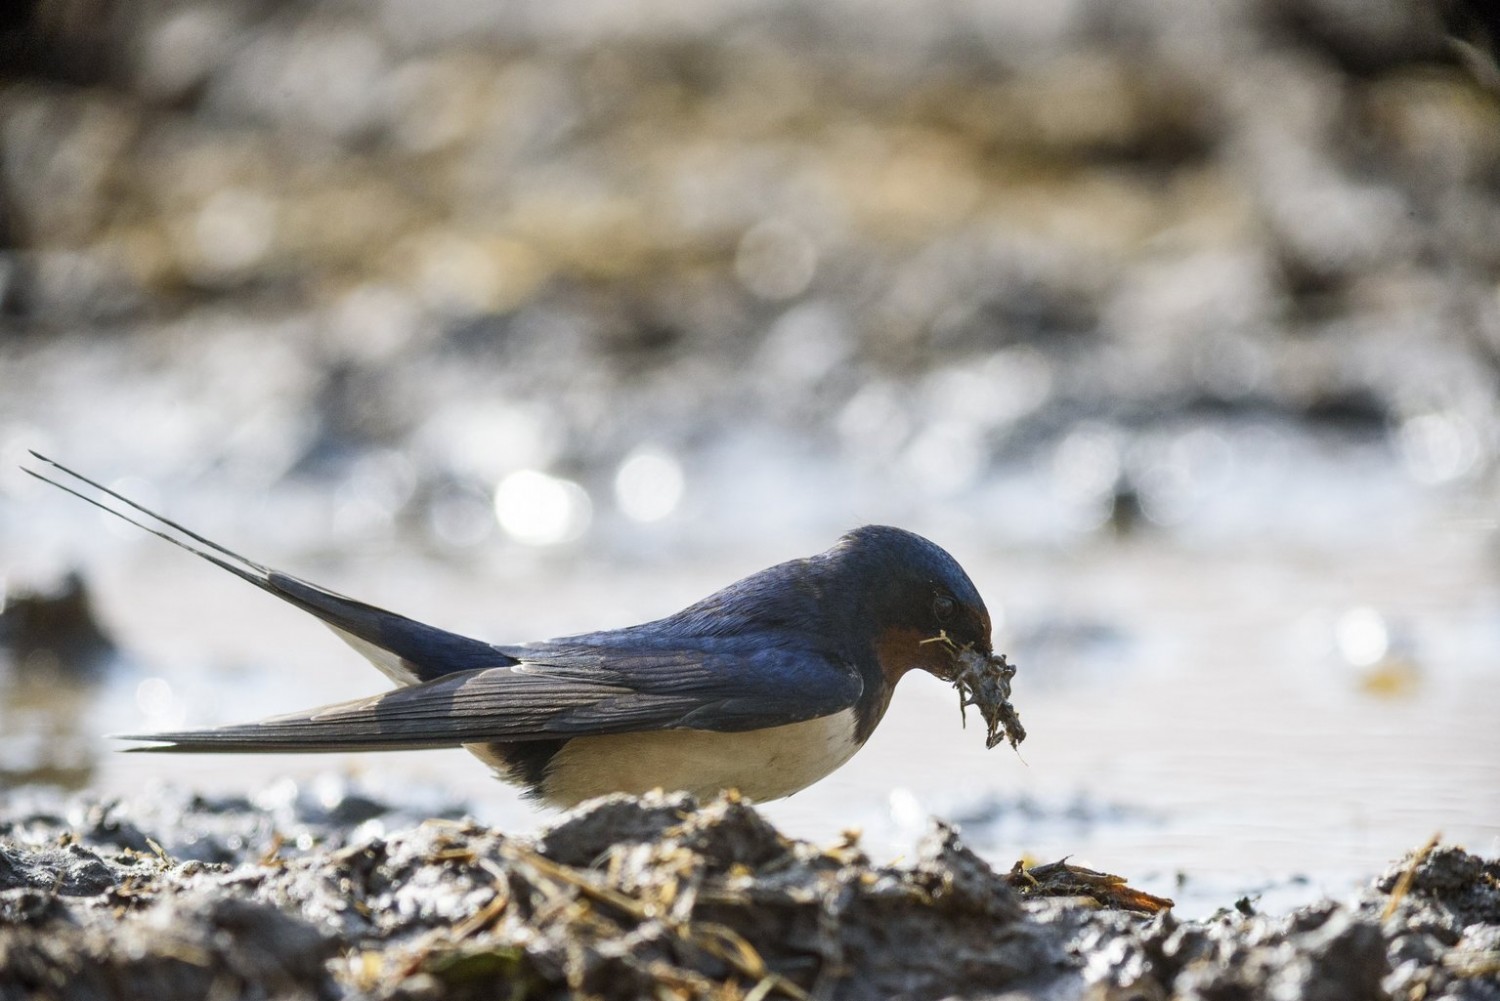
x=559 y=691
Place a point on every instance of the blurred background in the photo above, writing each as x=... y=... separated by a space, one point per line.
x=1178 y=324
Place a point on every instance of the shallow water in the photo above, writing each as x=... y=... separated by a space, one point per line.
x=1208 y=715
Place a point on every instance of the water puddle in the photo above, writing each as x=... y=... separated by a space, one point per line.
x=1221 y=722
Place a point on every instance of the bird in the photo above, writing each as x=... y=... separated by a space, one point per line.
x=763 y=687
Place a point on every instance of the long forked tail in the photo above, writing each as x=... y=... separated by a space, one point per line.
x=405 y=650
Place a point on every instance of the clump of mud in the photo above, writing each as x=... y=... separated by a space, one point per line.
x=650 y=897
x=984 y=682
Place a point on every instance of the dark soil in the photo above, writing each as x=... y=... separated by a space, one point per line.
x=341 y=896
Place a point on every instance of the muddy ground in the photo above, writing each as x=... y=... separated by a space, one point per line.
x=331 y=894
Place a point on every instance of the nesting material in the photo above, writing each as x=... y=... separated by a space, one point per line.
x=983 y=680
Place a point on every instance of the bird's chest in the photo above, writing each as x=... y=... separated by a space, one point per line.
x=763 y=764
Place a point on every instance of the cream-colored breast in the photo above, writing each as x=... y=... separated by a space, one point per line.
x=762 y=764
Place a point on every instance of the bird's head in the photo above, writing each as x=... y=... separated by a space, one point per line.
x=914 y=599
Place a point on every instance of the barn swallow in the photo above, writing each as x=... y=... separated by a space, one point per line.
x=765 y=686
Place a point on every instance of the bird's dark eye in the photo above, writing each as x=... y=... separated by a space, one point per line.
x=942 y=607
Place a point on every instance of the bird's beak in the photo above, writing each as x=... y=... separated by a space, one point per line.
x=959 y=659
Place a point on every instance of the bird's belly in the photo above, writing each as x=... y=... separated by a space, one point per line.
x=763 y=764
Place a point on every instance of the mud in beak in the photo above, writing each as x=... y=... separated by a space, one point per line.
x=983 y=681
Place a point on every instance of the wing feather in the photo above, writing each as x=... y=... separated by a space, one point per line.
x=557 y=692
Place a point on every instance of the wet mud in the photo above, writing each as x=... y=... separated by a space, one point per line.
x=334 y=895
x=984 y=682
